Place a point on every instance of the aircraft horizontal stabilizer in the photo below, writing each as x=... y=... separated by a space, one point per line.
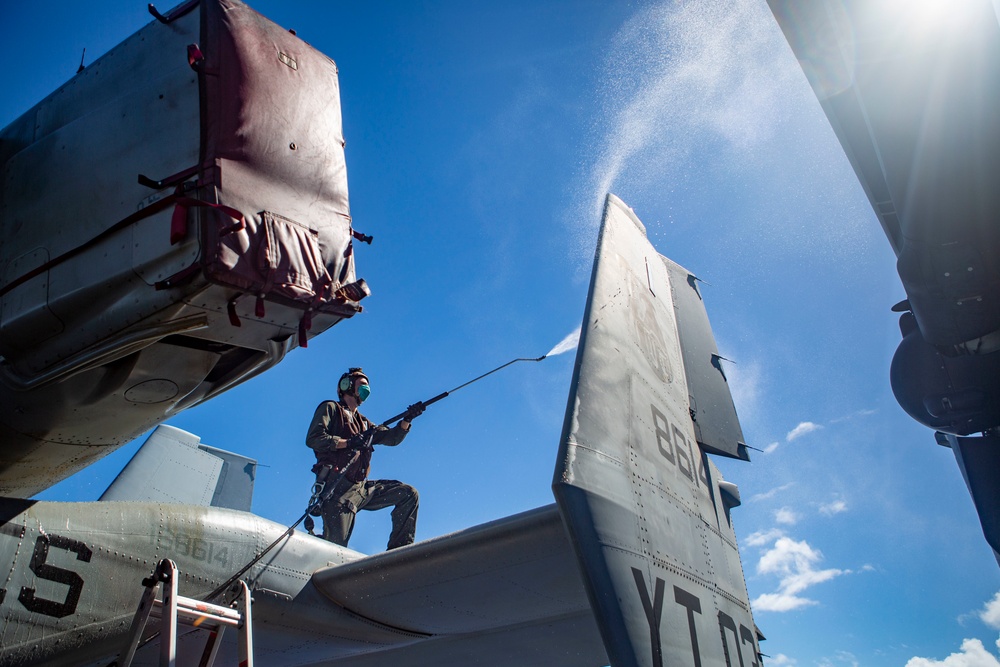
x=506 y=592
x=172 y=466
x=642 y=501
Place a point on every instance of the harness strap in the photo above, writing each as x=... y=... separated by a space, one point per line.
x=178 y=222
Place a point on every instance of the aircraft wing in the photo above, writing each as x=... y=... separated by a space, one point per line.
x=912 y=92
x=507 y=592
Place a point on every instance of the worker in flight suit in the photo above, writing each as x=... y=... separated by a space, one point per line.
x=336 y=432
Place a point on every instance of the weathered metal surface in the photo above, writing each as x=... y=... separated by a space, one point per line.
x=511 y=582
x=173 y=466
x=716 y=426
x=639 y=497
x=124 y=301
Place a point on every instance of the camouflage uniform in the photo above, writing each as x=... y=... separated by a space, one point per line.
x=331 y=423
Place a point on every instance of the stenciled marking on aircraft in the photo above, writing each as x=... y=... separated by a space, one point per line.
x=183 y=544
x=675 y=447
x=43 y=570
x=692 y=605
x=648 y=333
x=726 y=622
x=654 y=610
x=748 y=638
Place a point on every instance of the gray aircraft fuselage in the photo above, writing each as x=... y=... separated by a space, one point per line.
x=75 y=572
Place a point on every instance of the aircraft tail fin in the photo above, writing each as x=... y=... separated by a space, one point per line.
x=647 y=512
x=172 y=466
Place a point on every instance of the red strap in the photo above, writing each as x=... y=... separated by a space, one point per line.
x=178 y=224
x=259 y=307
x=322 y=288
x=234 y=319
x=195 y=56
x=155 y=207
x=305 y=324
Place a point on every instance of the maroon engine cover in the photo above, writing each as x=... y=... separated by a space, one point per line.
x=273 y=149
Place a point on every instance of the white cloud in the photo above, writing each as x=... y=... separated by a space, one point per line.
x=848 y=658
x=770 y=448
x=780 y=602
x=794 y=562
x=802 y=429
x=831 y=508
x=762 y=537
x=773 y=492
x=972 y=654
x=781 y=660
x=990 y=615
x=786 y=516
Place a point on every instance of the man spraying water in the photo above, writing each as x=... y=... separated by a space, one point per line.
x=343 y=438
x=336 y=434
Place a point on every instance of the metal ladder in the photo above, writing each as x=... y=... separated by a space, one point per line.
x=175 y=609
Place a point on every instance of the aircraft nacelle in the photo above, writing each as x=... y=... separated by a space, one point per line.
x=958 y=394
x=174 y=220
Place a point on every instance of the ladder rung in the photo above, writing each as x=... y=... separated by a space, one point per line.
x=201 y=615
x=190 y=606
x=197 y=618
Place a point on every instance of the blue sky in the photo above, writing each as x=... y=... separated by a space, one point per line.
x=481 y=139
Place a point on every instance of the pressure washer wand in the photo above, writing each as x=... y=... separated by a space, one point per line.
x=445 y=394
x=322 y=494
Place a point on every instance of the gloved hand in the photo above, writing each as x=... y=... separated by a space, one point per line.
x=414 y=411
x=359 y=441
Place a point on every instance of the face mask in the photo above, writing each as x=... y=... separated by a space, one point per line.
x=364 y=391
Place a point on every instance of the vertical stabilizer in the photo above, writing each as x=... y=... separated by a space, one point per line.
x=637 y=492
x=172 y=466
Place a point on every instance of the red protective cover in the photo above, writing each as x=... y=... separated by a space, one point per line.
x=273 y=148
